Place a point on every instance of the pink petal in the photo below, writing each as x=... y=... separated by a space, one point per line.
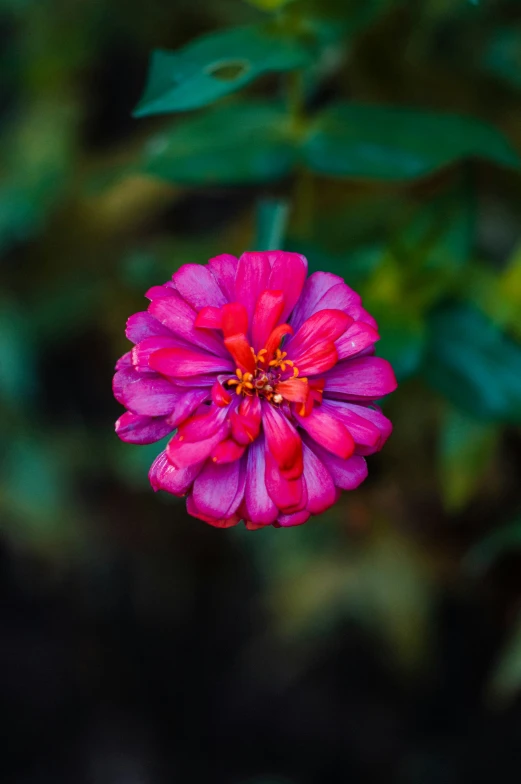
x=288 y=273
x=198 y=286
x=121 y=380
x=275 y=339
x=321 y=357
x=363 y=431
x=253 y=271
x=203 y=424
x=314 y=289
x=136 y=429
x=325 y=325
x=340 y=297
x=374 y=416
x=209 y=318
x=260 y=508
x=346 y=474
x=282 y=441
x=185 y=453
x=234 y=319
x=179 y=317
x=320 y=486
x=152 y=395
x=165 y=476
x=219 y=489
x=359 y=378
x=297 y=518
x=220 y=396
x=267 y=315
x=142 y=325
x=288 y=495
x=358 y=337
x=186 y=363
x=124 y=362
x=227 y=522
x=227 y=451
x=328 y=431
x=142 y=352
x=159 y=292
x=224 y=268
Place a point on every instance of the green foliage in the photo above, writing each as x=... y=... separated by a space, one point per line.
x=395 y=143
x=272 y=217
x=216 y=65
x=474 y=365
x=250 y=143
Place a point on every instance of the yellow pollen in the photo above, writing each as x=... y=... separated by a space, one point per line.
x=262 y=382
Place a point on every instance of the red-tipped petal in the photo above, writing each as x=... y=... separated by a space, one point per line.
x=165 y=476
x=185 y=363
x=286 y=494
x=241 y=352
x=293 y=389
x=253 y=271
x=234 y=319
x=227 y=451
x=137 y=429
x=319 y=359
x=288 y=273
x=220 y=396
x=266 y=317
x=323 y=326
x=219 y=489
x=209 y=318
x=275 y=340
x=328 y=431
x=282 y=441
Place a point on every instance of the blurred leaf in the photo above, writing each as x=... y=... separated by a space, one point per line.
x=465 y=451
x=395 y=143
x=503 y=55
x=18 y=379
x=474 y=365
x=500 y=541
x=269 y=5
x=244 y=142
x=272 y=216
x=402 y=341
x=505 y=681
x=216 y=65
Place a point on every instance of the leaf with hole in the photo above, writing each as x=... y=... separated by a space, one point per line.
x=216 y=65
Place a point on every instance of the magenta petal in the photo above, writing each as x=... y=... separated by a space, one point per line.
x=282 y=441
x=329 y=431
x=179 y=317
x=186 y=363
x=124 y=362
x=121 y=380
x=185 y=453
x=288 y=273
x=204 y=424
x=165 y=476
x=223 y=522
x=372 y=416
x=297 y=518
x=346 y=474
x=224 y=268
x=359 y=378
x=219 y=489
x=267 y=315
x=340 y=297
x=358 y=337
x=314 y=289
x=322 y=326
x=187 y=402
x=136 y=429
x=253 y=271
x=260 y=508
x=141 y=352
x=142 y=325
x=158 y=292
x=288 y=495
x=363 y=431
x=319 y=484
x=198 y=286
x=150 y=395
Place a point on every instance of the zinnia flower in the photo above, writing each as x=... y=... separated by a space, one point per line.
x=269 y=379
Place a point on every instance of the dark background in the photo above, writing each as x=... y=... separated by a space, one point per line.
x=380 y=642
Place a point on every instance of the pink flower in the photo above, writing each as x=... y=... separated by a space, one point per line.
x=270 y=380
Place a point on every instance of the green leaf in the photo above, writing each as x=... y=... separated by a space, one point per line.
x=466 y=449
x=471 y=363
x=503 y=540
x=216 y=65
x=239 y=143
x=395 y=143
x=18 y=379
x=402 y=341
x=272 y=217
x=503 y=55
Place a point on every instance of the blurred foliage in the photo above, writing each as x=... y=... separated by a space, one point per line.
x=383 y=140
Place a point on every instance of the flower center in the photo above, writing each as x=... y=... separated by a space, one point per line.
x=266 y=378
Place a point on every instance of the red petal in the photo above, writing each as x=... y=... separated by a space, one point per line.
x=275 y=339
x=293 y=389
x=227 y=451
x=234 y=320
x=283 y=442
x=241 y=352
x=328 y=431
x=209 y=318
x=185 y=363
x=267 y=314
x=322 y=357
x=323 y=326
x=220 y=396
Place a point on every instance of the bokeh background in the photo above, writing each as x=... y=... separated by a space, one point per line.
x=380 y=642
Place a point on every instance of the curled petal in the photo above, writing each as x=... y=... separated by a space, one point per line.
x=226 y=522
x=144 y=325
x=275 y=339
x=220 y=396
x=283 y=442
x=319 y=484
x=184 y=453
x=137 y=429
x=327 y=430
x=141 y=353
x=165 y=476
x=227 y=451
x=219 y=489
x=241 y=352
x=346 y=474
x=289 y=520
x=287 y=494
x=324 y=326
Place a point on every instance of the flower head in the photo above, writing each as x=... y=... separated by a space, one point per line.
x=269 y=379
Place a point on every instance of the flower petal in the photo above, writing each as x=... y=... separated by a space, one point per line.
x=159 y=292
x=198 y=286
x=226 y=522
x=267 y=315
x=364 y=432
x=288 y=273
x=186 y=363
x=322 y=357
x=328 y=431
x=176 y=314
x=282 y=441
x=227 y=451
x=136 y=429
x=219 y=489
x=234 y=319
x=152 y=395
x=346 y=474
x=288 y=495
x=358 y=337
x=142 y=351
x=371 y=416
x=360 y=378
x=297 y=518
x=319 y=484
x=253 y=271
x=224 y=267
x=143 y=325
x=209 y=318
x=314 y=289
x=165 y=476
x=325 y=325
x=185 y=453
x=241 y=352
x=260 y=508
